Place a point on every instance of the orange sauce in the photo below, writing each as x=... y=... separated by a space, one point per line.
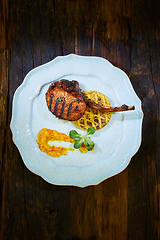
x=45 y=135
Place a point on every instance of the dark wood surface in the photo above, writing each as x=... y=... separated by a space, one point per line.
x=127 y=33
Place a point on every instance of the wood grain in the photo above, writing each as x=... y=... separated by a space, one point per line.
x=127 y=33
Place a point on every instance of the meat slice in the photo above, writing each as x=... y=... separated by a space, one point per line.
x=65 y=100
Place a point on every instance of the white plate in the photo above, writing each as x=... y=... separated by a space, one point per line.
x=115 y=144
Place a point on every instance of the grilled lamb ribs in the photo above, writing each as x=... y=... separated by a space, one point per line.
x=66 y=101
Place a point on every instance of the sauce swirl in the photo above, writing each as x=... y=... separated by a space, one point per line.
x=45 y=135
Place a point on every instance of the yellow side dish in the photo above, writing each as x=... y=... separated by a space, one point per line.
x=92 y=117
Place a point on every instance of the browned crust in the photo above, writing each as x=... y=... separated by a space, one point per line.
x=71 y=87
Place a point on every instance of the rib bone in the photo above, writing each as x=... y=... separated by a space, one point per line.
x=108 y=109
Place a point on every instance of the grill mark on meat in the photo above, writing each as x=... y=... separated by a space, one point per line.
x=60 y=116
x=50 y=103
x=56 y=107
x=69 y=109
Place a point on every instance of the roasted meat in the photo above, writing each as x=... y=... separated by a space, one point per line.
x=65 y=100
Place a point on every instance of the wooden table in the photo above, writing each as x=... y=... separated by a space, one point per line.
x=127 y=33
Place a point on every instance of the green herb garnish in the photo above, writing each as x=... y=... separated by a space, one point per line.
x=76 y=100
x=91 y=130
x=78 y=143
x=88 y=143
x=60 y=99
x=86 y=140
x=74 y=135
